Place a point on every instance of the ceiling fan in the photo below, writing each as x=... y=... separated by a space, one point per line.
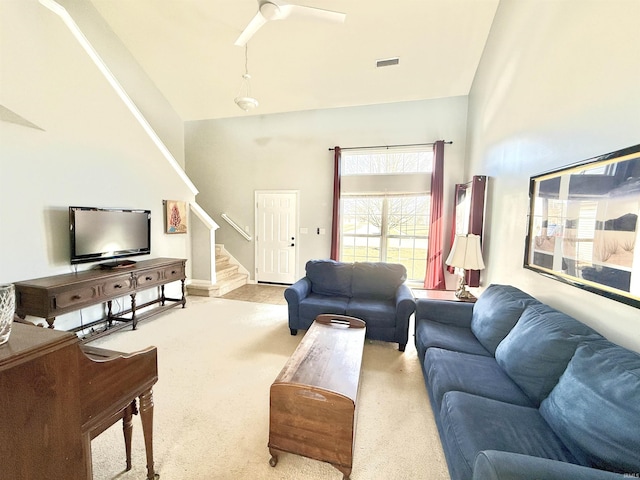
x=272 y=10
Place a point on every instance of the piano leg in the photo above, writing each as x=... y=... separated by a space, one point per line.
x=127 y=429
x=146 y=416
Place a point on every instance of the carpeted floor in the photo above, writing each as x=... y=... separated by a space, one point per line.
x=217 y=359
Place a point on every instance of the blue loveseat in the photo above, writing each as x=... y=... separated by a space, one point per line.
x=372 y=291
x=522 y=391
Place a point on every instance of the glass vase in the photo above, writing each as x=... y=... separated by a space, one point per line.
x=7 y=310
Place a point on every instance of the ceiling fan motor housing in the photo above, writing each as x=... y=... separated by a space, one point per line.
x=279 y=10
x=270 y=10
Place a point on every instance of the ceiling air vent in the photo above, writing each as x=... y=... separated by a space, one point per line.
x=387 y=62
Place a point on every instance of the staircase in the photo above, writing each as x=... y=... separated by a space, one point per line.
x=228 y=278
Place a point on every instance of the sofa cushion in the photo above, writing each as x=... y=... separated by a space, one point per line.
x=595 y=406
x=444 y=311
x=329 y=277
x=496 y=465
x=538 y=348
x=375 y=313
x=313 y=305
x=450 y=337
x=449 y=371
x=377 y=279
x=472 y=424
x=496 y=312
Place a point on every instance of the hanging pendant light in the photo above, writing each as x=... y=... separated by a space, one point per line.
x=244 y=99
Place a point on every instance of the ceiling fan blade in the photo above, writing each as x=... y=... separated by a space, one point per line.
x=254 y=25
x=300 y=11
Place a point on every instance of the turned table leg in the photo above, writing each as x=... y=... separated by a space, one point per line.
x=134 y=321
x=146 y=416
x=127 y=429
x=109 y=313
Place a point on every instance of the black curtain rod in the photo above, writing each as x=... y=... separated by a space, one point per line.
x=391 y=146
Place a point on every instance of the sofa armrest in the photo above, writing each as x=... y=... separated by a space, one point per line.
x=405 y=302
x=444 y=311
x=299 y=290
x=497 y=465
x=294 y=295
x=405 y=306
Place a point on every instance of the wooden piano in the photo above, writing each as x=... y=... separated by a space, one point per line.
x=56 y=395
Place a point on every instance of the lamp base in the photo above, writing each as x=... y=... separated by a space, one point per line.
x=462 y=293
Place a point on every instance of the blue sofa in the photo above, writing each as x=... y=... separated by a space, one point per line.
x=522 y=391
x=372 y=291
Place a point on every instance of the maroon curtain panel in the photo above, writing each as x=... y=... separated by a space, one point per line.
x=434 y=278
x=335 y=225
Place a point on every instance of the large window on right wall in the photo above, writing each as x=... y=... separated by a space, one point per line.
x=583 y=225
x=385 y=207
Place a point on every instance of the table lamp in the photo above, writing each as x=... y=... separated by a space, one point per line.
x=467 y=255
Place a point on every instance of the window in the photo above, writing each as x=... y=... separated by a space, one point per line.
x=385 y=208
x=386 y=163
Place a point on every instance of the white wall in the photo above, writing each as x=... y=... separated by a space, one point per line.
x=558 y=83
x=90 y=151
x=145 y=94
x=230 y=159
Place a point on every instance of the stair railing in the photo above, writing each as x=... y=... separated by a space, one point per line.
x=237 y=227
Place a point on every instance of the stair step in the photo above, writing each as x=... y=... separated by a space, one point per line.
x=201 y=289
x=227 y=277
x=222 y=261
x=225 y=271
x=227 y=285
x=217 y=289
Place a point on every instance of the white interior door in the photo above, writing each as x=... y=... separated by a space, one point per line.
x=276 y=239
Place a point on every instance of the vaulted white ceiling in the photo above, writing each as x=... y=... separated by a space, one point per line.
x=187 y=48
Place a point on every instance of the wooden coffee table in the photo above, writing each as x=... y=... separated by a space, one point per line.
x=313 y=399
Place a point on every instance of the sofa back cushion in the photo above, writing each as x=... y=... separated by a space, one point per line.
x=377 y=280
x=496 y=312
x=595 y=407
x=538 y=348
x=329 y=277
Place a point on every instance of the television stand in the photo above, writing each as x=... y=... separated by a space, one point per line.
x=49 y=297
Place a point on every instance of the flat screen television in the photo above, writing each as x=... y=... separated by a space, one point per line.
x=99 y=234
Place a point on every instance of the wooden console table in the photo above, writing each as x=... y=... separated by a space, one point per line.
x=49 y=297
x=313 y=399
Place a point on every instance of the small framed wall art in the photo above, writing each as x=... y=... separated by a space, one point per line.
x=176 y=216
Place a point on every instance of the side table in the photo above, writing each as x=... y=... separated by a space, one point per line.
x=449 y=295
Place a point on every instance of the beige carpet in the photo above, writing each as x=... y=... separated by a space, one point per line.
x=217 y=359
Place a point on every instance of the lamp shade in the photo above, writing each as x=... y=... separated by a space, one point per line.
x=466 y=253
